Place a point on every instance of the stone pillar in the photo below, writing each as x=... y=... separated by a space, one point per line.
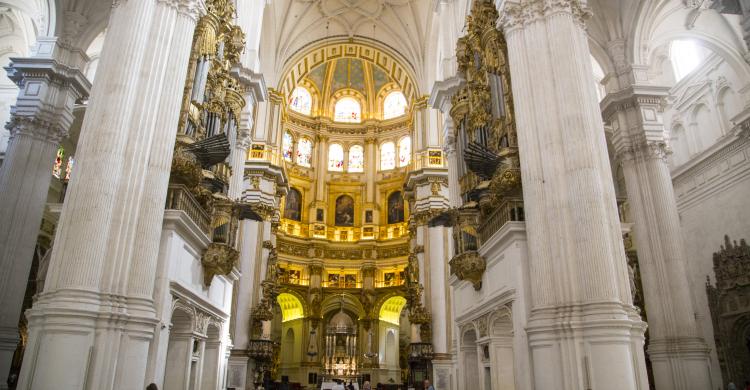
x=679 y=356
x=50 y=82
x=92 y=326
x=583 y=330
x=321 y=148
x=371 y=167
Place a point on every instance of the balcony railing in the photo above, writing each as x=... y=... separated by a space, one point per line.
x=420 y=351
x=286 y=279
x=341 y=284
x=261 y=350
x=389 y=283
x=180 y=198
x=509 y=210
x=430 y=158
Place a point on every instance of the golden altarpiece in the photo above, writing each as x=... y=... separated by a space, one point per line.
x=342 y=269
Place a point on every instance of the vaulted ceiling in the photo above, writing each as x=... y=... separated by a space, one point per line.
x=402 y=26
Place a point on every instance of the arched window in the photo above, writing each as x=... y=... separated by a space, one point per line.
x=293 y=205
x=356 y=159
x=394 y=105
x=347 y=110
x=287 y=146
x=57 y=168
x=686 y=56
x=395 y=208
x=304 y=152
x=335 y=157
x=404 y=151
x=387 y=156
x=301 y=101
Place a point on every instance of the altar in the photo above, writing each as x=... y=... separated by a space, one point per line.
x=337 y=386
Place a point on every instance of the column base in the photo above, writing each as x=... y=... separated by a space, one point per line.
x=239 y=375
x=79 y=339
x=442 y=372
x=9 y=339
x=681 y=363
x=587 y=346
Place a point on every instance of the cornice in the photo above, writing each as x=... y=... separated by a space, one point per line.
x=442 y=92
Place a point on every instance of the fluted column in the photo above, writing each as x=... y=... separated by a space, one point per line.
x=583 y=330
x=679 y=356
x=50 y=82
x=92 y=326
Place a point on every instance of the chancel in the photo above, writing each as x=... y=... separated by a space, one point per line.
x=375 y=194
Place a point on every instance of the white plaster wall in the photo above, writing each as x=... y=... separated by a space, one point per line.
x=179 y=262
x=505 y=280
x=713 y=201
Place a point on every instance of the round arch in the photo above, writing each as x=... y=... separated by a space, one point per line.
x=350 y=304
x=390 y=310
x=291 y=306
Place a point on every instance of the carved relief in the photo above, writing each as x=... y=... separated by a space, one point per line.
x=730 y=309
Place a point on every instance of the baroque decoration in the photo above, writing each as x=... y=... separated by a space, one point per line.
x=211 y=106
x=486 y=141
x=730 y=309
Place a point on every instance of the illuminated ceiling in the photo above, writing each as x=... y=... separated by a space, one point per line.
x=291 y=307
x=391 y=310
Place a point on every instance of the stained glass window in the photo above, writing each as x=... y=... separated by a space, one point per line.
x=57 y=168
x=404 y=151
x=387 y=156
x=287 y=146
x=69 y=168
x=304 y=152
x=356 y=159
x=394 y=105
x=335 y=158
x=301 y=101
x=347 y=110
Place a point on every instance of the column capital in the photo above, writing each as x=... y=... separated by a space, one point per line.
x=193 y=9
x=518 y=13
x=36 y=128
x=48 y=91
x=635 y=114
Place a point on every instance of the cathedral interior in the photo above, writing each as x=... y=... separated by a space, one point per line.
x=375 y=194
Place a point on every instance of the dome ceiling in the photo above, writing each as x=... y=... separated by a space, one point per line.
x=347 y=73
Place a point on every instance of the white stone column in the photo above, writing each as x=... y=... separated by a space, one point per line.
x=438 y=290
x=679 y=356
x=92 y=326
x=50 y=83
x=583 y=330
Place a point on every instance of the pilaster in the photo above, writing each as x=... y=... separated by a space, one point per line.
x=680 y=358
